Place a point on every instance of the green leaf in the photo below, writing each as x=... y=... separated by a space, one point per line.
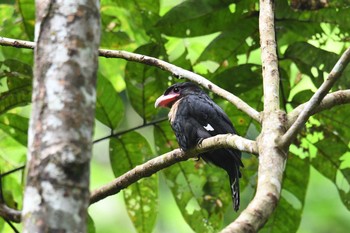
x=201 y=191
x=244 y=81
x=109 y=105
x=91 y=225
x=27 y=11
x=15 y=126
x=336 y=15
x=287 y=215
x=230 y=43
x=126 y=152
x=328 y=160
x=308 y=57
x=19 y=84
x=145 y=84
x=195 y=18
x=14 y=98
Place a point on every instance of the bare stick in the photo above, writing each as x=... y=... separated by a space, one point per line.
x=160 y=162
x=17 y=43
x=329 y=101
x=316 y=99
x=175 y=70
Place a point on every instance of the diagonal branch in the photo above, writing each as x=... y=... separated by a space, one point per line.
x=316 y=99
x=10 y=214
x=331 y=100
x=163 y=161
x=175 y=70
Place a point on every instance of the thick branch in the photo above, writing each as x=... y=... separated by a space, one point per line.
x=10 y=214
x=316 y=99
x=331 y=100
x=271 y=159
x=160 y=162
x=175 y=70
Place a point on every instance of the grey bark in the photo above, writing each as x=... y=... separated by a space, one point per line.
x=61 y=126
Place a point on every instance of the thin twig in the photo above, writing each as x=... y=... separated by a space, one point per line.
x=12 y=171
x=12 y=226
x=160 y=162
x=129 y=130
x=175 y=70
x=315 y=100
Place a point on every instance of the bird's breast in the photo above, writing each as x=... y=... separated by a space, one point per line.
x=173 y=110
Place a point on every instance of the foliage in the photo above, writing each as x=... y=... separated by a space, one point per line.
x=215 y=38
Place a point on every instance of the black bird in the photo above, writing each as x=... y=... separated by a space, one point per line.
x=193 y=117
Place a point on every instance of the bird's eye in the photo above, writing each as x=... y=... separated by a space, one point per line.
x=176 y=89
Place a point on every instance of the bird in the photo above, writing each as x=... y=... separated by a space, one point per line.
x=194 y=116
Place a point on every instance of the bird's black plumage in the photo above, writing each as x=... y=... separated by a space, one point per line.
x=194 y=117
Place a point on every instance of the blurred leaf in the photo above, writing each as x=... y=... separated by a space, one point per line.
x=14 y=98
x=336 y=120
x=141 y=198
x=27 y=11
x=201 y=190
x=15 y=126
x=115 y=39
x=109 y=106
x=327 y=162
x=195 y=18
x=301 y=97
x=12 y=27
x=287 y=216
x=183 y=61
x=231 y=43
x=91 y=225
x=244 y=81
x=332 y=15
x=145 y=84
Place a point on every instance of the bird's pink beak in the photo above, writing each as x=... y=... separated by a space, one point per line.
x=166 y=100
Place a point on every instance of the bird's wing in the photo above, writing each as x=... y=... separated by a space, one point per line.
x=209 y=115
x=198 y=117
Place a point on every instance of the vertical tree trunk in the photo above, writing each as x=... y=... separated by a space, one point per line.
x=61 y=125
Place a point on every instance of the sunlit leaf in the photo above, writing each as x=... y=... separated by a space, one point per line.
x=15 y=126
x=314 y=61
x=27 y=11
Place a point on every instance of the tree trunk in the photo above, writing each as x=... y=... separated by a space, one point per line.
x=61 y=126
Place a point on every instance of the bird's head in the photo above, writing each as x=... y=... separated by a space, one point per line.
x=176 y=92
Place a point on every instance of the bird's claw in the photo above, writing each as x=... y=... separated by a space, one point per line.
x=199 y=143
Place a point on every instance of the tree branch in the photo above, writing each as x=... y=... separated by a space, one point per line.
x=271 y=158
x=175 y=70
x=163 y=161
x=10 y=214
x=315 y=100
x=331 y=100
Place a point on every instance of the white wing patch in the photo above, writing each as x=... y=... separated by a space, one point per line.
x=208 y=127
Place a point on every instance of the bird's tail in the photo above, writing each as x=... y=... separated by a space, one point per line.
x=234 y=176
